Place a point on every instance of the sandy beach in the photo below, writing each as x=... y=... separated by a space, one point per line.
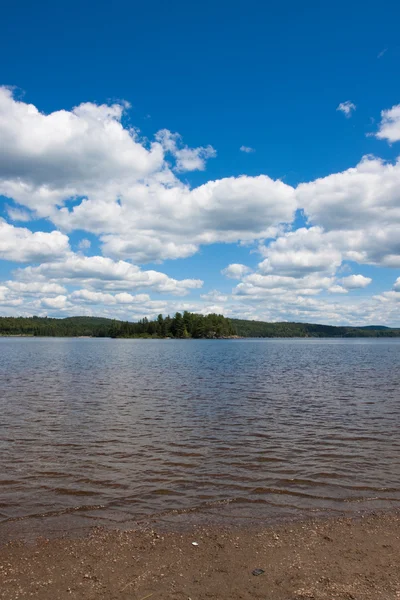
x=349 y=559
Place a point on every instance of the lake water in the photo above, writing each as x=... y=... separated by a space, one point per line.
x=119 y=432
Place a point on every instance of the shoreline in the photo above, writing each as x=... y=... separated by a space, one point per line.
x=314 y=559
x=208 y=339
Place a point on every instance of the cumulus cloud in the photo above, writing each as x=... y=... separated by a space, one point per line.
x=26 y=298
x=389 y=127
x=300 y=252
x=46 y=159
x=235 y=271
x=58 y=302
x=337 y=289
x=155 y=221
x=360 y=210
x=246 y=149
x=346 y=108
x=102 y=272
x=34 y=287
x=259 y=285
x=83 y=169
x=18 y=214
x=93 y=297
x=361 y=196
x=21 y=245
x=145 y=248
x=389 y=297
x=353 y=282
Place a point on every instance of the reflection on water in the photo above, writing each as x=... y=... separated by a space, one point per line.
x=113 y=431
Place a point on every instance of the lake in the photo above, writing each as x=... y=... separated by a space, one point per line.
x=123 y=432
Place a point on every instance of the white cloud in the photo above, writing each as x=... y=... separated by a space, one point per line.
x=337 y=289
x=18 y=214
x=45 y=159
x=16 y=297
x=59 y=302
x=104 y=273
x=359 y=210
x=293 y=306
x=346 y=108
x=35 y=287
x=235 y=271
x=187 y=159
x=93 y=297
x=123 y=188
x=154 y=221
x=214 y=296
x=300 y=252
x=396 y=285
x=389 y=127
x=246 y=149
x=145 y=248
x=388 y=299
x=83 y=169
x=258 y=284
x=21 y=245
x=353 y=282
x=291 y=301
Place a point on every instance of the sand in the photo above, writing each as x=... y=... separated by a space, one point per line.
x=314 y=560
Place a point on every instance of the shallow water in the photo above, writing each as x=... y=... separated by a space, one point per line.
x=111 y=432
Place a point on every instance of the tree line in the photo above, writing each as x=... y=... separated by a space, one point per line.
x=180 y=326
x=186 y=325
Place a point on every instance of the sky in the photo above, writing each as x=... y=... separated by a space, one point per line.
x=234 y=157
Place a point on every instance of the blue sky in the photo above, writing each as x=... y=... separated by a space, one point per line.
x=234 y=157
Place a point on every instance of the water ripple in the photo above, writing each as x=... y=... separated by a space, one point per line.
x=122 y=430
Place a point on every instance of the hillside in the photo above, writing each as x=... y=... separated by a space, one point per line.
x=262 y=329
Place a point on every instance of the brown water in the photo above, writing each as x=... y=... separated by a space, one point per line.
x=114 y=432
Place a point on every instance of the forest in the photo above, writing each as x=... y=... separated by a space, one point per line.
x=181 y=326
x=186 y=325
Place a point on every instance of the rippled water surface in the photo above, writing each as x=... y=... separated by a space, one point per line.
x=118 y=431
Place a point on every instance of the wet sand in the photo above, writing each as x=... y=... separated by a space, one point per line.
x=349 y=559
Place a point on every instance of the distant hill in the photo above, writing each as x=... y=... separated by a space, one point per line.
x=186 y=325
x=286 y=329
x=374 y=327
x=44 y=326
